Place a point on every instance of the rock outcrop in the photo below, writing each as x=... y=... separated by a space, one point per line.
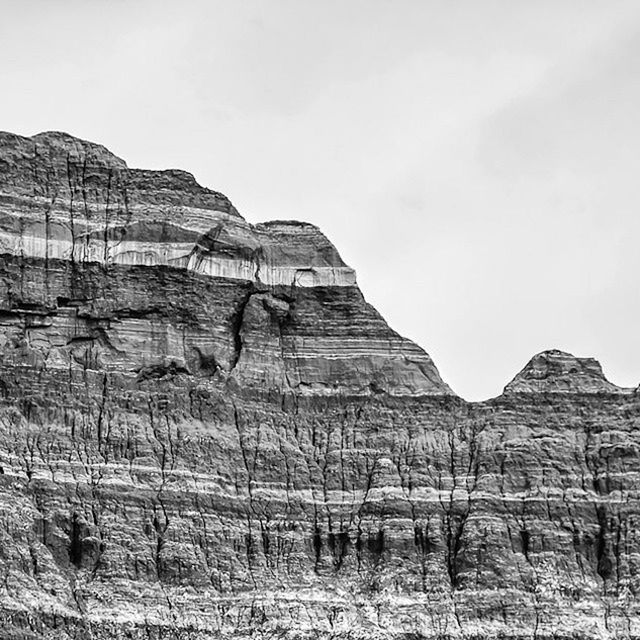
x=206 y=432
x=555 y=371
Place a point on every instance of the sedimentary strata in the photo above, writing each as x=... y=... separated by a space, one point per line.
x=206 y=432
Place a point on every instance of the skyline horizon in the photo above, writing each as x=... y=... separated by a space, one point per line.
x=474 y=163
x=546 y=351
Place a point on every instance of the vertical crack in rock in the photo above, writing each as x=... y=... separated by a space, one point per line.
x=72 y=225
x=236 y=328
x=75 y=545
x=604 y=565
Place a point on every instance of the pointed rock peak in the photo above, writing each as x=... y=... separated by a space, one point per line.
x=556 y=371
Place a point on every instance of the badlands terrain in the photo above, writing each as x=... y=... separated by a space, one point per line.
x=207 y=432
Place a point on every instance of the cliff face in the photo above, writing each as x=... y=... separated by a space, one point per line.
x=205 y=431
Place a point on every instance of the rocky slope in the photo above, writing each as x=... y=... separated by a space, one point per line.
x=206 y=432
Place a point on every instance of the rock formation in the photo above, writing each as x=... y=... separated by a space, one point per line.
x=206 y=432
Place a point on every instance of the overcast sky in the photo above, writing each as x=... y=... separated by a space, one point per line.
x=477 y=162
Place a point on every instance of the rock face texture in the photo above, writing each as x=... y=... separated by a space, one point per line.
x=206 y=432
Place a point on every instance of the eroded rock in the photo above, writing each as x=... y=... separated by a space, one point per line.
x=206 y=432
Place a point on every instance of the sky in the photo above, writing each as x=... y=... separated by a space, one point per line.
x=477 y=162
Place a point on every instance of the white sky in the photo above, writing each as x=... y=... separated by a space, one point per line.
x=476 y=162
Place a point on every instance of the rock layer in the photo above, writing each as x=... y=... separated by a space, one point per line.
x=206 y=432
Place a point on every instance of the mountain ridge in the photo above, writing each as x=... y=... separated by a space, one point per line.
x=207 y=432
x=64 y=144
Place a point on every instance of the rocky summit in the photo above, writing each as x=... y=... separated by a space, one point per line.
x=206 y=432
